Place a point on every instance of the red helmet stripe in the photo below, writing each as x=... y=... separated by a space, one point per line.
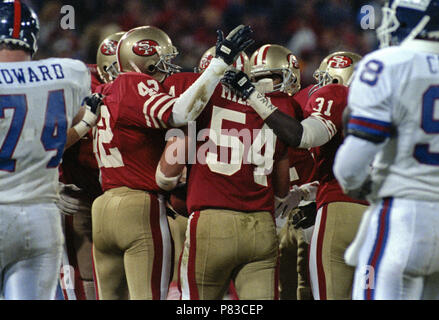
x=239 y=63
x=17 y=19
x=261 y=56
x=264 y=54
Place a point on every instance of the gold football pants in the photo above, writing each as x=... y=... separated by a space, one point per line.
x=335 y=228
x=293 y=276
x=224 y=245
x=132 y=245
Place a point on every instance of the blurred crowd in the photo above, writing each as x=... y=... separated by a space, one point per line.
x=310 y=28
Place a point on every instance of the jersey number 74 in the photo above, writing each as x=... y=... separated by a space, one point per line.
x=53 y=136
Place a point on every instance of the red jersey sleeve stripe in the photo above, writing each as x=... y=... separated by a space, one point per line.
x=146 y=107
x=160 y=103
x=163 y=110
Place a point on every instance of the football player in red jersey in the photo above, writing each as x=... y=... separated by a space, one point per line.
x=338 y=215
x=231 y=231
x=79 y=186
x=274 y=68
x=176 y=84
x=132 y=246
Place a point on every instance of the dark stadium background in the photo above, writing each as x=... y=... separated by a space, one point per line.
x=310 y=28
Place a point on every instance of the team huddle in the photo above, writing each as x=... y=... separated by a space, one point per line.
x=129 y=179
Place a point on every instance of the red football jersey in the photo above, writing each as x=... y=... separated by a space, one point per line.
x=302 y=163
x=328 y=104
x=302 y=96
x=177 y=83
x=302 y=166
x=230 y=140
x=130 y=139
x=79 y=165
x=95 y=78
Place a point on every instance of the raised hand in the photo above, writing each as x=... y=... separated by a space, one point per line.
x=229 y=48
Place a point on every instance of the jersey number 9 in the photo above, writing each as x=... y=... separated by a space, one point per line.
x=430 y=125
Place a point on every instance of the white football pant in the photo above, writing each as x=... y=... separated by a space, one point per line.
x=31 y=243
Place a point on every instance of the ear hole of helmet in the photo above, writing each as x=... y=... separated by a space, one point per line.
x=151 y=68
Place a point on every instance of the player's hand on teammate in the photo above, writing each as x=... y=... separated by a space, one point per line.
x=309 y=191
x=238 y=82
x=283 y=206
x=229 y=48
x=304 y=216
x=92 y=104
x=72 y=200
x=306 y=192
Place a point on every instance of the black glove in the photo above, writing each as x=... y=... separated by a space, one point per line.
x=305 y=216
x=238 y=82
x=93 y=102
x=236 y=41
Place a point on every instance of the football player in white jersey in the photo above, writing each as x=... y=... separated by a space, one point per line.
x=391 y=154
x=39 y=103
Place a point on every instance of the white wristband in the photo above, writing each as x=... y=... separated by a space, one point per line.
x=261 y=104
x=90 y=118
x=164 y=182
x=81 y=128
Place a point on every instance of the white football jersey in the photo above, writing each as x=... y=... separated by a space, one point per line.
x=397 y=90
x=38 y=100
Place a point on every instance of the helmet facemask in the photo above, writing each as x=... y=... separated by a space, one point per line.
x=389 y=24
x=323 y=78
x=287 y=84
x=393 y=32
x=112 y=70
x=165 y=64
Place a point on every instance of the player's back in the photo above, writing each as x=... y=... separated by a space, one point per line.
x=235 y=156
x=302 y=162
x=129 y=140
x=38 y=100
x=328 y=104
x=407 y=84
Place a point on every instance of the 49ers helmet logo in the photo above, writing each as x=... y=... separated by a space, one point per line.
x=293 y=60
x=145 y=48
x=339 y=62
x=109 y=48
